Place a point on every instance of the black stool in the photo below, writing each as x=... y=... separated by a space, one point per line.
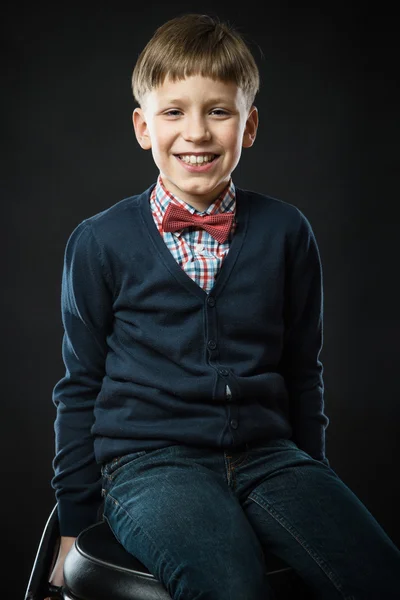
x=98 y=568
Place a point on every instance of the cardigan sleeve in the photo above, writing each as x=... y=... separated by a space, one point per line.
x=301 y=365
x=86 y=308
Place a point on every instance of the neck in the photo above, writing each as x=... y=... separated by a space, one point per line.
x=200 y=203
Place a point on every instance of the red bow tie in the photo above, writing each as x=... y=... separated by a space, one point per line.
x=218 y=225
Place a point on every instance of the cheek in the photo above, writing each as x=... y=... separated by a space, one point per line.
x=232 y=139
x=164 y=147
x=164 y=136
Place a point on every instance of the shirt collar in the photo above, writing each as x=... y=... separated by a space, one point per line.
x=226 y=201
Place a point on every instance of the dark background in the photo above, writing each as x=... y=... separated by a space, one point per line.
x=327 y=143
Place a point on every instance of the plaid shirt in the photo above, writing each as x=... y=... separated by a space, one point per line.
x=195 y=250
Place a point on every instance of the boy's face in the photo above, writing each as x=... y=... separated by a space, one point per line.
x=195 y=117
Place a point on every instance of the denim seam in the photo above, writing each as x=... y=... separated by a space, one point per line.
x=147 y=535
x=143 y=578
x=321 y=563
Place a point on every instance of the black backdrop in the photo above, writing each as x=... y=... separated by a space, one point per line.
x=327 y=143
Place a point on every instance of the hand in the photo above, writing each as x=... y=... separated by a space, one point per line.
x=57 y=575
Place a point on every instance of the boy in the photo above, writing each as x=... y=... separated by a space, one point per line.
x=193 y=394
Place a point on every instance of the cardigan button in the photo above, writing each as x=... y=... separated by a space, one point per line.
x=234 y=424
x=211 y=301
x=224 y=372
x=212 y=344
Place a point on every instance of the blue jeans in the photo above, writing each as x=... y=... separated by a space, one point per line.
x=201 y=521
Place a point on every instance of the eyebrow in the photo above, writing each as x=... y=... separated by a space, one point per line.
x=216 y=100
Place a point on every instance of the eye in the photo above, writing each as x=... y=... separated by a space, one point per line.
x=172 y=113
x=220 y=112
x=175 y=112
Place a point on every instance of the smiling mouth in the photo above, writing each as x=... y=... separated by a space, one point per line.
x=192 y=159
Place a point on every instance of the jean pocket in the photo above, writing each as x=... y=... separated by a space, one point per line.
x=111 y=469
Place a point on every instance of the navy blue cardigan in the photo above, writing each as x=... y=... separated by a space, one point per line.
x=148 y=353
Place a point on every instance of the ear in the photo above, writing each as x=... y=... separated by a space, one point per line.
x=141 y=130
x=250 y=131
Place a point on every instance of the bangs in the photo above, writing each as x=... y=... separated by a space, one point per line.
x=195 y=45
x=217 y=67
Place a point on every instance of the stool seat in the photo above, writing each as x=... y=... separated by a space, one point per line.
x=99 y=568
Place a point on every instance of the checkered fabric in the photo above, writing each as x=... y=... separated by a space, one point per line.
x=198 y=253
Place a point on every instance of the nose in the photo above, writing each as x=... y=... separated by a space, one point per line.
x=196 y=130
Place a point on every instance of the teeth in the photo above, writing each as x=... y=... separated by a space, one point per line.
x=191 y=159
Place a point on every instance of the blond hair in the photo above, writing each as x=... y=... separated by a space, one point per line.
x=195 y=44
